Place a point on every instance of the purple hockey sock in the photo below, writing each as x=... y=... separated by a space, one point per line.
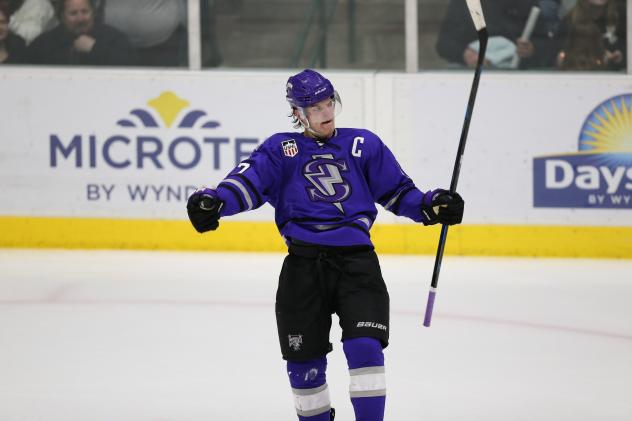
x=309 y=387
x=367 y=380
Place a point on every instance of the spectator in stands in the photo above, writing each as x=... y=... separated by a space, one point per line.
x=31 y=18
x=98 y=6
x=156 y=29
x=505 y=22
x=12 y=46
x=593 y=36
x=10 y=4
x=550 y=15
x=79 y=39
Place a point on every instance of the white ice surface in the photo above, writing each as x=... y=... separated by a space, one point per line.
x=153 y=336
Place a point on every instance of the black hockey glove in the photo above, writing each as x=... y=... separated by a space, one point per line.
x=439 y=206
x=203 y=208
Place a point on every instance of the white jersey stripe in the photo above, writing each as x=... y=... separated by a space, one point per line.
x=241 y=188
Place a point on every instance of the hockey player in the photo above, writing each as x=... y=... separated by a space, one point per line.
x=323 y=184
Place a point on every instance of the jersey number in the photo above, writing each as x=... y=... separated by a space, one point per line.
x=244 y=166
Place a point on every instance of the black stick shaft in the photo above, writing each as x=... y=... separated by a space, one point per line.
x=482 y=37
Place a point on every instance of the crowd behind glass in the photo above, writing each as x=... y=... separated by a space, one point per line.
x=579 y=35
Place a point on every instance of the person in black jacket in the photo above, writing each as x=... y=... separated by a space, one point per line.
x=505 y=20
x=12 y=47
x=80 y=40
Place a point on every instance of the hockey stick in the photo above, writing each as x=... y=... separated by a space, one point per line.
x=476 y=13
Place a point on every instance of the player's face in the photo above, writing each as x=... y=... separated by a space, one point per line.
x=4 y=26
x=78 y=16
x=321 y=117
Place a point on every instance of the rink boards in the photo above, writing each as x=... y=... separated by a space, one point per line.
x=106 y=159
x=465 y=240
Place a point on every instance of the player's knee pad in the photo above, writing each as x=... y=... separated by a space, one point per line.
x=309 y=387
x=363 y=352
x=307 y=374
x=366 y=367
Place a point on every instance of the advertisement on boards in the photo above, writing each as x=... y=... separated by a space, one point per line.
x=91 y=144
x=599 y=173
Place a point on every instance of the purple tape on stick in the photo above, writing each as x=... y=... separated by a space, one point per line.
x=429 y=306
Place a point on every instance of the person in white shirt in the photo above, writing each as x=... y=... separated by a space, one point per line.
x=32 y=18
x=154 y=28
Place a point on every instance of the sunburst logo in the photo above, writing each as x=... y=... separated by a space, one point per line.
x=166 y=109
x=599 y=175
x=608 y=128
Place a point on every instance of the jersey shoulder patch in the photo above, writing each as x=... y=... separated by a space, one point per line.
x=289 y=147
x=285 y=145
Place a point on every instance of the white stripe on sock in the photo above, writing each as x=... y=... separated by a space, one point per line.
x=367 y=381
x=309 y=402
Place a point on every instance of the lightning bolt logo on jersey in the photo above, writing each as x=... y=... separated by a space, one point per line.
x=322 y=192
x=324 y=172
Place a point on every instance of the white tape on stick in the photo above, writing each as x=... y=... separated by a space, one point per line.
x=476 y=11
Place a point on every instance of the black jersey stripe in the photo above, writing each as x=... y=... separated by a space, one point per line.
x=251 y=187
x=404 y=192
x=320 y=220
x=368 y=216
x=360 y=227
x=233 y=190
x=383 y=200
x=397 y=194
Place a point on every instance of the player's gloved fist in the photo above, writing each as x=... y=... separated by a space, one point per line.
x=203 y=208
x=439 y=206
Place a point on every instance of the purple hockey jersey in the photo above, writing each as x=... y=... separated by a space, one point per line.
x=322 y=192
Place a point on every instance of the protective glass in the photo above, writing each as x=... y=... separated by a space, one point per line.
x=325 y=109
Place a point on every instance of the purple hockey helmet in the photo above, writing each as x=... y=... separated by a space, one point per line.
x=307 y=88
